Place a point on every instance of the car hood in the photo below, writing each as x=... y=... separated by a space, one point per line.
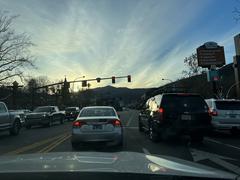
x=37 y=114
x=123 y=162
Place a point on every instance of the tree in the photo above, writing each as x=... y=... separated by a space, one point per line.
x=14 y=50
x=192 y=66
x=35 y=82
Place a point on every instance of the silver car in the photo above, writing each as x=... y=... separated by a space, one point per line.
x=225 y=114
x=97 y=124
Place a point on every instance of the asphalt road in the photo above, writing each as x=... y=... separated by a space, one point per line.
x=220 y=150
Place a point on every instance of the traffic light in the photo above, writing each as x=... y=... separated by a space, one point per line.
x=129 y=78
x=84 y=83
x=98 y=80
x=113 y=79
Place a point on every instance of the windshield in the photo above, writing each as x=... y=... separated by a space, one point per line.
x=43 y=109
x=70 y=109
x=181 y=103
x=120 y=76
x=88 y=112
x=228 y=105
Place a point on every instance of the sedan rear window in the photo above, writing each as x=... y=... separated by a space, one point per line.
x=184 y=103
x=228 y=105
x=89 y=112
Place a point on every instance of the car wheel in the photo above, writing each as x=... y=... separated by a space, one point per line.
x=140 y=126
x=16 y=128
x=28 y=126
x=153 y=136
x=235 y=131
x=49 y=123
x=198 y=138
x=74 y=146
x=62 y=120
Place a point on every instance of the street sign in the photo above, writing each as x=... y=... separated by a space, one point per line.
x=210 y=54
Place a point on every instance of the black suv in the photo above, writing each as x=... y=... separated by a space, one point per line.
x=71 y=113
x=174 y=114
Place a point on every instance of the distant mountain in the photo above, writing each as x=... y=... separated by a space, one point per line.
x=127 y=95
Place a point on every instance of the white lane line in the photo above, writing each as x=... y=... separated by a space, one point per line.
x=130 y=119
x=146 y=151
x=218 y=142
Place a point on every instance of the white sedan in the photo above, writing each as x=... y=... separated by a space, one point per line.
x=97 y=124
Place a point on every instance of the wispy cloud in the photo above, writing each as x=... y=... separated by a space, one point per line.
x=147 y=39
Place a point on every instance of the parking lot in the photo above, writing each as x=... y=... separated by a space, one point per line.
x=214 y=151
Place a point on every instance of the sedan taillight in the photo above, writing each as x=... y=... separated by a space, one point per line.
x=212 y=112
x=78 y=123
x=116 y=122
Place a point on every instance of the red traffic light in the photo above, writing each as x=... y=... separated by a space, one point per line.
x=113 y=79
x=129 y=78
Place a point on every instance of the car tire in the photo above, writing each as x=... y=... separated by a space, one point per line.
x=152 y=135
x=62 y=120
x=74 y=146
x=28 y=126
x=16 y=128
x=49 y=124
x=197 y=138
x=235 y=132
x=140 y=126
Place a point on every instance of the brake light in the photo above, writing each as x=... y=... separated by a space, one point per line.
x=78 y=123
x=116 y=123
x=213 y=112
x=161 y=111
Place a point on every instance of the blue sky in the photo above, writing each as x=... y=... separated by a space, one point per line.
x=145 y=38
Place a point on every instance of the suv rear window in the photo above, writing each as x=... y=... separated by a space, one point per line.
x=228 y=105
x=184 y=103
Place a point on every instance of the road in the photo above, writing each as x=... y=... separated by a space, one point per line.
x=220 y=150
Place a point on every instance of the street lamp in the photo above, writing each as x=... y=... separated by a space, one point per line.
x=163 y=79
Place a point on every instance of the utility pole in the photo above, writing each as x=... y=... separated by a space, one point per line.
x=14 y=87
x=236 y=62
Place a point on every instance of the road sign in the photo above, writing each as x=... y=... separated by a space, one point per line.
x=210 y=54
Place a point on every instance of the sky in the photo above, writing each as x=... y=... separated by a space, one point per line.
x=147 y=39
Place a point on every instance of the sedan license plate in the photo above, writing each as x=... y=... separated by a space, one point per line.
x=97 y=127
x=186 y=117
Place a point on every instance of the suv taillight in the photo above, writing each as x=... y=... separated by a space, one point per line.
x=213 y=112
x=78 y=123
x=161 y=111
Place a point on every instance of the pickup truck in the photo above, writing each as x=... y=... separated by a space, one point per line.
x=44 y=116
x=9 y=121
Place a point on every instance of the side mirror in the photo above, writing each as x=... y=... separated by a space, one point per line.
x=119 y=115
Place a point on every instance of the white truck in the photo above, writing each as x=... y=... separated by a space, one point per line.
x=9 y=121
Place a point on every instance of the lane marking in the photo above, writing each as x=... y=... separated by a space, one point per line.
x=146 y=151
x=34 y=145
x=198 y=155
x=54 y=144
x=130 y=119
x=219 y=142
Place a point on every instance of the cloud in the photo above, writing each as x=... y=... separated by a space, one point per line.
x=147 y=39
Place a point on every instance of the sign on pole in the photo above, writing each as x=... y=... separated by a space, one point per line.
x=210 y=54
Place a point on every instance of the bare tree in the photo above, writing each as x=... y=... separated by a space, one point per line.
x=192 y=66
x=14 y=50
